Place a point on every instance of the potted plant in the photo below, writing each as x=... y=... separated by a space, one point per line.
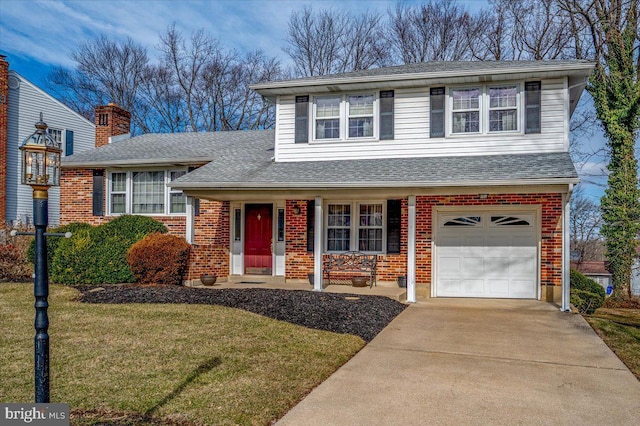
x=359 y=281
x=208 y=279
x=312 y=277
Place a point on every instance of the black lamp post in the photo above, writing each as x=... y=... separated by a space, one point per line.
x=41 y=170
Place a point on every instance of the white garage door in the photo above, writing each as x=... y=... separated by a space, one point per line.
x=486 y=254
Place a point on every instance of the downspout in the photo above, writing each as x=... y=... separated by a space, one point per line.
x=566 y=250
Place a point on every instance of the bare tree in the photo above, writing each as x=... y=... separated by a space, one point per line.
x=106 y=71
x=330 y=41
x=585 y=222
x=436 y=31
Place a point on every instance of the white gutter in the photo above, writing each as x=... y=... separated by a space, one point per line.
x=399 y=184
x=566 y=250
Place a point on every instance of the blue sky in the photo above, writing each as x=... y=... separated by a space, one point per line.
x=37 y=35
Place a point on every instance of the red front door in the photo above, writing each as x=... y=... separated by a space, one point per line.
x=258 y=238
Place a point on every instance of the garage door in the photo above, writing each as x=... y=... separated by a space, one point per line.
x=486 y=254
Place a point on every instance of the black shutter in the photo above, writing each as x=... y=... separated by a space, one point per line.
x=68 y=149
x=532 y=101
x=302 y=119
x=394 y=221
x=386 y=114
x=98 y=193
x=437 y=112
x=311 y=215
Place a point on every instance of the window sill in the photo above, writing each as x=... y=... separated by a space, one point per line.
x=342 y=141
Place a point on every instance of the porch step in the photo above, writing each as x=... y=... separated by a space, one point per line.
x=255 y=279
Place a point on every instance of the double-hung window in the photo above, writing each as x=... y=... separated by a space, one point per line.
x=118 y=191
x=360 y=116
x=503 y=109
x=364 y=233
x=465 y=105
x=177 y=200
x=148 y=192
x=328 y=117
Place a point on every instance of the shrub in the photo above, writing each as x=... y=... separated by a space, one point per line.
x=586 y=294
x=52 y=242
x=581 y=282
x=159 y=259
x=585 y=301
x=14 y=264
x=98 y=255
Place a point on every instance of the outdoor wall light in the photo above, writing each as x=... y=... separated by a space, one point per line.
x=296 y=209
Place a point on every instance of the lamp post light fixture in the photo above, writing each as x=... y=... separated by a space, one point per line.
x=41 y=170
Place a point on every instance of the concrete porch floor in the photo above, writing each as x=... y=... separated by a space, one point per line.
x=262 y=281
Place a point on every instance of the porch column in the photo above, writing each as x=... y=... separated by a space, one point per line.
x=566 y=250
x=411 y=250
x=190 y=217
x=317 y=245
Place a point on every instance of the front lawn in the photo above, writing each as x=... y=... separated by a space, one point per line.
x=164 y=363
x=620 y=330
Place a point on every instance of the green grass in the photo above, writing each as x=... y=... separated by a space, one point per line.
x=620 y=330
x=153 y=364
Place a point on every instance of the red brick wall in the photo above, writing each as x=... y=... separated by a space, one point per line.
x=117 y=122
x=551 y=250
x=4 y=111
x=298 y=261
x=210 y=251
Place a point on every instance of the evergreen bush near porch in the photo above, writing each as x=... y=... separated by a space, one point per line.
x=98 y=255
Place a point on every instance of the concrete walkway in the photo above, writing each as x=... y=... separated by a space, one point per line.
x=480 y=362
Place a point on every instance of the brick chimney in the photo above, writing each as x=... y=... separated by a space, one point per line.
x=4 y=112
x=111 y=120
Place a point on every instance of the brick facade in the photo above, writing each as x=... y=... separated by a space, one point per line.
x=4 y=113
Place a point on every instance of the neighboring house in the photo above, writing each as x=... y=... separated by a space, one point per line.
x=595 y=270
x=21 y=103
x=456 y=174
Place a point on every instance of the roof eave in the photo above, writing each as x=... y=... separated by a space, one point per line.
x=442 y=77
x=356 y=185
x=135 y=162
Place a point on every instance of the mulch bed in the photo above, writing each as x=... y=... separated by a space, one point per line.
x=365 y=317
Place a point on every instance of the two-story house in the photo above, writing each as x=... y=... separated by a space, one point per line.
x=21 y=103
x=456 y=175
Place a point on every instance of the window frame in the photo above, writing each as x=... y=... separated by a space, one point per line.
x=168 y=191
x=172 y=191
x=485 y=109
x=344 y=117
x=354 y=226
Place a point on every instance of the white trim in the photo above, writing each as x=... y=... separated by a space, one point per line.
x=411 y=249
x=343 y=117
x=317 y=244
x=189 y=231
x=567 y=112
x=566 y=251
x=354 y=227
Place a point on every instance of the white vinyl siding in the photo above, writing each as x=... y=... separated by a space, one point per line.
x=24 y=106
x=411 y=132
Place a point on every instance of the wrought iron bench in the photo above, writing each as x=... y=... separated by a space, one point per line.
x=352 y=261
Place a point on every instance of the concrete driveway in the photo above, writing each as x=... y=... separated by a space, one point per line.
x=464 y=361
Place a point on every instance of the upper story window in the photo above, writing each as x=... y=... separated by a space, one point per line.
x=328 y=118
x=485 y=109
x=55 y=134
x=145 y=192
x=503 y=109
x=465 y=105
x=350 y=116
x=360 y=116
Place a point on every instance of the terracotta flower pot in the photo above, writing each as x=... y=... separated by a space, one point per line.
x=207 y=279
x=359 y=281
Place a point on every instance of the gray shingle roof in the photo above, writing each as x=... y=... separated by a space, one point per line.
x=262 y=172
x=435 y=69
x=244 y=159
x=173 y=148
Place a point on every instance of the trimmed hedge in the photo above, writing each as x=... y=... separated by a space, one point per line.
x=586 y=294
x=159 y=259
x=52 y=242
x=98 y=255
